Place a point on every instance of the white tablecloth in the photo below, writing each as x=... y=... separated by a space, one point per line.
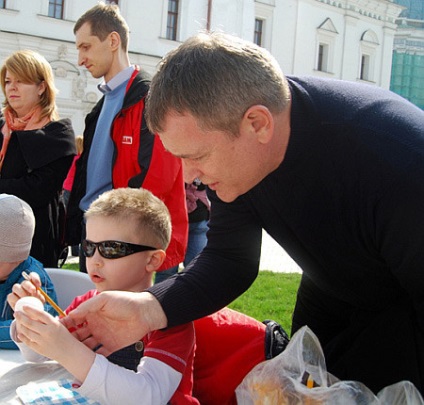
x=14 y=372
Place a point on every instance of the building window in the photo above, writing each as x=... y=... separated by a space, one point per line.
x=172 y=20
x=369 y=45
x=257 y=38
x=322 y=63
x=325 y=45
x=263 y=23
x=2 y=3
x=56 y=9
x=365 y=67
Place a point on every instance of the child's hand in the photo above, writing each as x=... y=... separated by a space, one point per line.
x=25 y=289
x=47 y=336
x=43 y=333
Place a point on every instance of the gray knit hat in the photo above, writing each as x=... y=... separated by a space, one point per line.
x=17 y=225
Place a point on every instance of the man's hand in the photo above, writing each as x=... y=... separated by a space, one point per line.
x=115 y=319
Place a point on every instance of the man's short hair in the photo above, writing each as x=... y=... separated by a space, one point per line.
x=216 y=78
x=104 y=19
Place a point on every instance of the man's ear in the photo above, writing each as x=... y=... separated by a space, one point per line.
x=259 y=122
x=115 y=40
x=155 y=260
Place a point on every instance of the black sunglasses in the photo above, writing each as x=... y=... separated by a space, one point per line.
x=112 y=249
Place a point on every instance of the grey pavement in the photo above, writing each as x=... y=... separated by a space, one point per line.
x=275 y=258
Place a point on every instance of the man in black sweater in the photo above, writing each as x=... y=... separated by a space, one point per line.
x=332 y=170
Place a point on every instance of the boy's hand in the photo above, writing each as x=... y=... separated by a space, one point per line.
x=42 y=332
x=25 y=289
x=46 y=335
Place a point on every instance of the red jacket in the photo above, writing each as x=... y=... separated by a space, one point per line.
x=140 y=160
x=228 y=345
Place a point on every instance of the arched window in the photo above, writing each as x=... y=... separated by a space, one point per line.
x=369 y=45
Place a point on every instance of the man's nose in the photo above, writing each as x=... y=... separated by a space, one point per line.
x=190 y=172
x=81 y=60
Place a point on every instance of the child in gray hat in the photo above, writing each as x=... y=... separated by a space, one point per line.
x=16 y=231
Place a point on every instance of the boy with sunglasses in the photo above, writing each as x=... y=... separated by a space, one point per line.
x=128 y=231
x=229 y=343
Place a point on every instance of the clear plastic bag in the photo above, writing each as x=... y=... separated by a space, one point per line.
x=404 y=393
x=299 y=376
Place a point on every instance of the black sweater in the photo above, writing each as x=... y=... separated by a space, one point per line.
x=347 y=204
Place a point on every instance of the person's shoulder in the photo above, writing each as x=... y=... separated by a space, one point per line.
x=143 y=74
x=33 y=265
x=341 y=100
x=78 y=300
x=141 y=81
x=343 y=91
x=62 y=126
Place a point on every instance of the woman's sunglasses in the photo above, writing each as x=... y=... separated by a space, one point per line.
x=112 y=249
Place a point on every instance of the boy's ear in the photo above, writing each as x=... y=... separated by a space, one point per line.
x=155 y=260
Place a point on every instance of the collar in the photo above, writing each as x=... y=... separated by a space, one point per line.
x=118 y=79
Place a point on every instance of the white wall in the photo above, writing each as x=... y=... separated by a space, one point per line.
x=291 y=34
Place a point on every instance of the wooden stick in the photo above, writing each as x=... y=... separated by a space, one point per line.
x=26 y=276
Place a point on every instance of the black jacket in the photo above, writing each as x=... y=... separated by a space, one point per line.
x=35 y=166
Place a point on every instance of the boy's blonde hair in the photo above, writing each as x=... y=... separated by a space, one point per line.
x=139 y=207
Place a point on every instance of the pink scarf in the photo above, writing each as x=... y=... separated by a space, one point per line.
x=31 y=121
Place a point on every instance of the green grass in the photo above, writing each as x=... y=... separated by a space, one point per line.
x=71 y=266
x=271 y=296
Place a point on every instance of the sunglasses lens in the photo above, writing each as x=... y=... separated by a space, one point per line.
x=113 y=249
x=88 y=248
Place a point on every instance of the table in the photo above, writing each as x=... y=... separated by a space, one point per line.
x=14 y=372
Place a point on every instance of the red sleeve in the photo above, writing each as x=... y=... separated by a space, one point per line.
x=165 y=180
x=69 y=180
x=174 y=346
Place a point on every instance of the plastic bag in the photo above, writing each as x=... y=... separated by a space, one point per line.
x=299 y=376
x=403 y=392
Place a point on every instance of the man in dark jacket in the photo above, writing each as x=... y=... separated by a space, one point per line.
x=119 y=150
x=332 y=170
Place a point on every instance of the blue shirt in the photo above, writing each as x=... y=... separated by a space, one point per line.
x=99 y=166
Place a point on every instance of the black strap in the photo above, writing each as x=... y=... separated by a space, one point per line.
x=276 y=339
